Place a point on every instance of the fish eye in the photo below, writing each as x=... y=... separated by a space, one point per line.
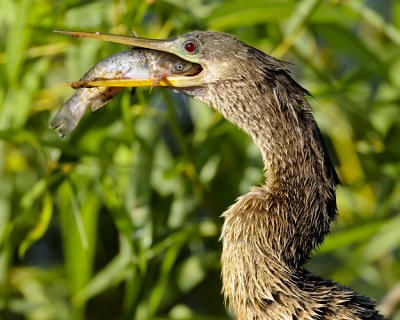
x=179 y=66
x=190 y=47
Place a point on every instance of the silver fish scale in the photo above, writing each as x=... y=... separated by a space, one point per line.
x=126 y=64
x=131 y=64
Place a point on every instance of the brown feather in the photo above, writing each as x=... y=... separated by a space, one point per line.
x=270 y=232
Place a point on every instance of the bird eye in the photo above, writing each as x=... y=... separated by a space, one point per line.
x=190 y=47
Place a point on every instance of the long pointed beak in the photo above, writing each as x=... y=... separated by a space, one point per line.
x=168 y=45
x=160 y=45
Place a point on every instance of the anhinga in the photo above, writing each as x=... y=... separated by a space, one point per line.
x=269 y=233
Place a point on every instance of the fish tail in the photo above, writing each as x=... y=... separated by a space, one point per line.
x=68 y=117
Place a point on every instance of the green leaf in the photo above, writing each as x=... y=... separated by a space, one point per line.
x=342 y=239
x=41 y=226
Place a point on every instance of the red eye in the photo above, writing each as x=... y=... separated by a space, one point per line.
x=190 y=46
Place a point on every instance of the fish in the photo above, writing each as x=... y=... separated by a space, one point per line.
x=136 y=63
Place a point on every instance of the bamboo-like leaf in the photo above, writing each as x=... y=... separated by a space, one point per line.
x=41 y=226
x=116 y=271
x=350 y=237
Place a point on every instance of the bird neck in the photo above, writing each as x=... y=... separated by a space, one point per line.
x=299 y=191
x=270 y=232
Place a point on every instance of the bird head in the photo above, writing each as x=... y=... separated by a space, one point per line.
x=222 y=57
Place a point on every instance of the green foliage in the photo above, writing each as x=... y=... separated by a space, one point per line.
x=121 y=220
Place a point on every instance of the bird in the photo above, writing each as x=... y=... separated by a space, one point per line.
x=269 y=233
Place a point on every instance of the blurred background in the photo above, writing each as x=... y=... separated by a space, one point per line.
x=122 y=220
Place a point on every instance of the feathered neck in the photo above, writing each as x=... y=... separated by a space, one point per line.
x=270 y=232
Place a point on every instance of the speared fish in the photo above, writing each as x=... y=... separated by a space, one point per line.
x=136 y=63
